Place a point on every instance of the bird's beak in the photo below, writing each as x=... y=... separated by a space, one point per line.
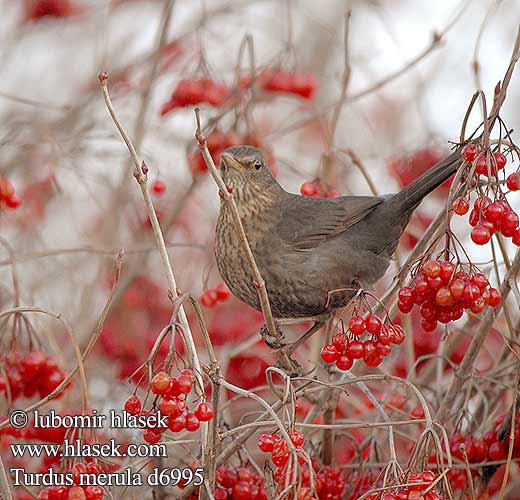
x=230 y=162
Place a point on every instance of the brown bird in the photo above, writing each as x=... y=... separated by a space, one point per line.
x=313 y=253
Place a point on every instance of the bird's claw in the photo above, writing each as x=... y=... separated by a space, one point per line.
x=273 y=342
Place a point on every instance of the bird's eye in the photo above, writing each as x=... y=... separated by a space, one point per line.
x=257 y=164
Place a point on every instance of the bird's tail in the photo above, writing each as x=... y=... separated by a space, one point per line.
x=406 y=200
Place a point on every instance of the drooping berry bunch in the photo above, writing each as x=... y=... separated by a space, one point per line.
x=329 y=482
x=171 y=399
x=239 y=484
x=406 y=168
x=8 y=196
x=489 y=217
x=417 y=483
x=28 y=375
x=75 y=492
x=486 y=448
x=491 y=212
x=315 y=189
x=347 y=347
x=37 y=9
x=192 y=92
x=300 y=84
x=212 y=296
x=444 y=293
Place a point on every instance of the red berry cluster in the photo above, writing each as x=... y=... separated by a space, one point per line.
x=346 y=348
x=8 y=195
x=192 y=92
x=484 y=164
x=329 y=482
x=417 y=483
x=489 y=217
x=408 y=167
x=315 y=190
x=443 y=294
x=212 y=296
x=238 y=484
x=75 y=492
x=28 y=375
x=303 y=85
x=217 y=143
x=488 y=448
x=36 y=9
x=277 y=446
x=171 y=400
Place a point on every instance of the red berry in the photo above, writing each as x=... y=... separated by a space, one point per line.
x=329 y=354
x=513 y=181
x=480 y=280
x=13 y=202
x=509 y=221
x=160 y=383
x=357 y=325
x=494 y=211
x=168 y=406
x=474 y=217
x=33 y=363
x=516 y=237
x=457 y=287
x=94 y=493
x=152 y=437
x=428 y=325
x=447 y=270
x=309 y=189
x=431 y=269
x=500 y=160
x=192 y=422
x=158 y=187
x=133 y=405
x=443 y=297
x=340 y=342
x=383 y=349
x=482 y=166
x=176 y=424
x=373 y=324
x=185 y=383
x=242 y=491
x=355 y=349
x=266 y=442
x=297 y=438
x=469 y=153
x=494 y=297
x=205 y=411
x=407 y=294
x=497 y=451
x=482 y=202
x=344 y=362
x=223 y=292
x=209 y=298
x=460 y=205
x=480 y=234
x=405 y=307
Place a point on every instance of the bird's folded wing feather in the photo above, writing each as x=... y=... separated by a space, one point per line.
x=316 y=220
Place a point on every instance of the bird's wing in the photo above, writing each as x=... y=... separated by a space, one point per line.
x=305 y=223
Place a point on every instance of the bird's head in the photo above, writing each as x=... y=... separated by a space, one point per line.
x=245 y=169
